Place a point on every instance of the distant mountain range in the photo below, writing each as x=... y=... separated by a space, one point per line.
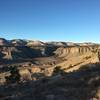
x=22 y=42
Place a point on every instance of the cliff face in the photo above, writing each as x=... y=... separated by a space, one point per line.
x=75 y=51
x=74 y=57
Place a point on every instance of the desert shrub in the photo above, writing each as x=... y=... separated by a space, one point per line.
x=58 y=70
x=15 y=76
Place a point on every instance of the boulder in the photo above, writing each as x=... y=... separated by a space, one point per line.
x=25 y=74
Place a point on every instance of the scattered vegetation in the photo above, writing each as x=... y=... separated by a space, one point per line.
x=15 y=76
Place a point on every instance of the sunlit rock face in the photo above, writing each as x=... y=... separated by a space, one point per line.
x=25 y=74
x=35 y=69
x=76 y=50
x=75 y=57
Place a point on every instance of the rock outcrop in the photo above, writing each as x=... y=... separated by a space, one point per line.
x=25 y=74
x=75 y=50
x=75 y=57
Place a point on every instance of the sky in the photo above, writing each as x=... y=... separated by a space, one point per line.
x=50 y=20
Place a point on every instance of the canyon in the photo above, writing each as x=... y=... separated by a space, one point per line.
x=58 y=69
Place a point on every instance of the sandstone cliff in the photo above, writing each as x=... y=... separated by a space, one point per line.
x=74 y=57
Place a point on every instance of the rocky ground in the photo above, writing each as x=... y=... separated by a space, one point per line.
x=83 y=84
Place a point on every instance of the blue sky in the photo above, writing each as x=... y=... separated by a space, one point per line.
x=50 y=20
